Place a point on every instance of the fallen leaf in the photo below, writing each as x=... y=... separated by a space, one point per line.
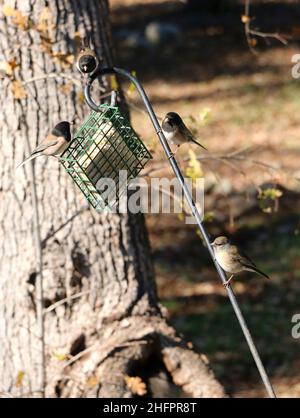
x=46 y=43
x=136 y=385
x=70 y=59
x=245 y=18
x=92 y=381
x=61 y=356
x=8 y=10
x=205 y=115
x=253 y=42
x=66 y=88
x=81 y=98
x=296 y=31
x=65 y=59
x=181 y=216
x=18 y=90
x=45 y=14
x=199 y=234
x=20 y=20
x=131 y=87
x=267 y=210
x=208 y=216
x=114 y=82
x=13 y=64
x=45 y=22
x=270 y=192
x=194 y=169
x=7 y=67
x=77 y=40
x=19 y=379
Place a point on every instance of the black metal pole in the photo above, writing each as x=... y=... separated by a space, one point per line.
x=192 y=206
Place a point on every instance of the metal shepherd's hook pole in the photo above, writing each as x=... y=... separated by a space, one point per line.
x=192 y=206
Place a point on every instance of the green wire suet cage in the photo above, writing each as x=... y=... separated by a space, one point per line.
x=105 y=145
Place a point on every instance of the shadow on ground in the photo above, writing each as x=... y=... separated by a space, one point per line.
x=212 y=38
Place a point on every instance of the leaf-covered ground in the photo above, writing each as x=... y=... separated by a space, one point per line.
x=254 y=108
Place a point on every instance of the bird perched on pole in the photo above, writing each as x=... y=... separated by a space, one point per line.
x=232 y=260
x=175 y=130
x=54 y=144
x=87 y=61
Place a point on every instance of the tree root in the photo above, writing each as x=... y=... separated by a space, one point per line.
x=138 y=346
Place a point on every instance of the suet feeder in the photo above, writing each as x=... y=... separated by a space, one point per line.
x=104 y=146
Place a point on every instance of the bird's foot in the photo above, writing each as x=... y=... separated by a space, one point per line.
x=226 y=284
x=174 y=153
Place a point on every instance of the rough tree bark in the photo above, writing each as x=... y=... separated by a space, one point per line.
x=102 y=318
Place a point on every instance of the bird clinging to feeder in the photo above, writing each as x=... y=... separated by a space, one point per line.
x=104 y=146
x=54 y=144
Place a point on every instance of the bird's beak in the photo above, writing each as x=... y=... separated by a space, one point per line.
x=212 y=244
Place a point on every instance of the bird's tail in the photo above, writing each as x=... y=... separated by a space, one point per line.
x=31 y=157
x=198 y=143
x=256 y=270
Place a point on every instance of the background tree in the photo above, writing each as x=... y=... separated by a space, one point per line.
x=102 y=321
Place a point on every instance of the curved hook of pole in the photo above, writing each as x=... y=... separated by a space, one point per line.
x=110 y=71
x=87 y=89
x=192 y=205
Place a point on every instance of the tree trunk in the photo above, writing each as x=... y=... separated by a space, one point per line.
x=101 y=316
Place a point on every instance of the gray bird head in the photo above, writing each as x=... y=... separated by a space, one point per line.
x=62 y=129
x=171 y=122
x=220 y=242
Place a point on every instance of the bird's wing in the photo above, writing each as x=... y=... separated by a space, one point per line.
x=190 y=136
x=246 y=261
x=187 y=132
x=240 y=256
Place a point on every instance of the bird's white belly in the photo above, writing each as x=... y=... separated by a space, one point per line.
x=174 y=138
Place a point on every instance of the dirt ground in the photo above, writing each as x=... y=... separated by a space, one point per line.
x=253 y=120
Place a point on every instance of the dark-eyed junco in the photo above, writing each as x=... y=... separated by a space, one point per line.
x=87 y=61
x=232 y=260
x=54 y=144
x=175 y=130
